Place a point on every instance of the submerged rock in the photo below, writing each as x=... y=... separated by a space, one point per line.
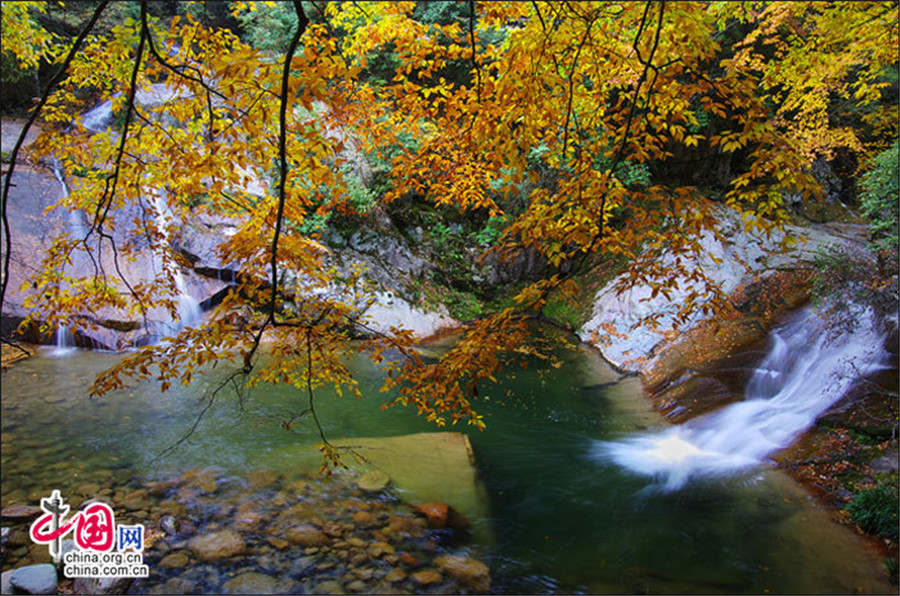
x=216 y=546
x=469 y=572
x=307 y=535
x=250 y=583
x=427 y=577
x=373 y=481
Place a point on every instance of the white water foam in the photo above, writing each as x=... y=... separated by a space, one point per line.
x=100 y=118
x=189 y=312
x=806 y=371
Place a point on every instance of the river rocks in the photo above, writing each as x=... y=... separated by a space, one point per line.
x=471 y=573
x=297 y=534
x=101 y=585
x=216 y=546
x=395 y=575
x=379 y=549
x=34 y=579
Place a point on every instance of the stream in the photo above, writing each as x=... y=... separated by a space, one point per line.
x=563 y=518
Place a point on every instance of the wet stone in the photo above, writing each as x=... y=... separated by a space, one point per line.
x=306 y=535
x=373 y=481
x=250 y=583
x=20 y=511
x=378 y=549
x=174 y=585
x=427 y=577
x=173 y=561
x=260 y=479
x=356 y=586
x=18 y=537
x=409 y=559
x=469 y=572
x=216 y=546
x=363 y=518
x=39 y=553
x=328 y=587
x=395 y=575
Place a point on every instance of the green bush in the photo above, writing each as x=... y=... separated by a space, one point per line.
x=268 y=28
x=875 y=510
x=880 y=198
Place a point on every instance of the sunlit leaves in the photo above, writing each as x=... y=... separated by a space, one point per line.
x=550 y=110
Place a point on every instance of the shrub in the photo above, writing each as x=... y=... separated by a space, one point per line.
x=880 y=198
x=875 y=510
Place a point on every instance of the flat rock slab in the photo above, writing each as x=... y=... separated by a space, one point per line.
x=423 y=468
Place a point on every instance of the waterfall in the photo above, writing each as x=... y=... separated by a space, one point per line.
x=189 y=312
x=807 y=369
x=76 y=230
x=99 y=118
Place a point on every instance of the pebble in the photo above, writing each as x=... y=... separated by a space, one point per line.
x=426 y=577
x=250 y=583
x=395 y=575
x=216 y=546
x=378 y=549
x=356 y=586
x=306 y=535
x=471 y=573
x=173 y=561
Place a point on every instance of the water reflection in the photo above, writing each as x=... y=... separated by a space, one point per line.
x=562 y=523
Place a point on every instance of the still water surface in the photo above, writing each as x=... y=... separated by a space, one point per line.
x=562 y=520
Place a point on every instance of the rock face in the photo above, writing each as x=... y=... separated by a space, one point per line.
x=35 y=190
x=744 y=262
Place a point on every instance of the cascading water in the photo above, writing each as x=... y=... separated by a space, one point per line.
x=806 y=370
x=76 y=230
x=189 y=311
x=100 y=118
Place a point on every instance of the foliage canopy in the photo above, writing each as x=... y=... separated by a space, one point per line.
x=551 y=118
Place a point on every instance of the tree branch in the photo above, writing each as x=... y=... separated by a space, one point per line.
x=302 y=22
x=4 y=201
